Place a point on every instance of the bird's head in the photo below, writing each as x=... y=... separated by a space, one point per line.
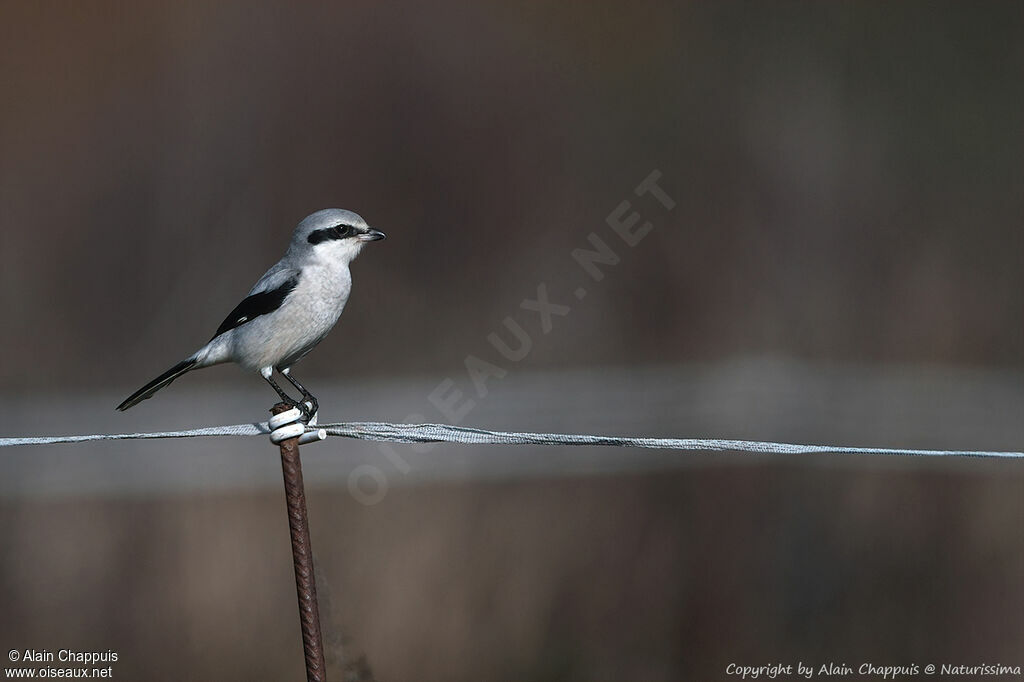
x=333 y=233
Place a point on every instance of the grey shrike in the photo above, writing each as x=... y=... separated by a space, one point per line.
x=289 y=310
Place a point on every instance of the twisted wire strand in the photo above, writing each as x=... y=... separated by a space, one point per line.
x=443 y=433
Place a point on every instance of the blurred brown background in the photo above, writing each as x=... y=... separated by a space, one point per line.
x=844 y=264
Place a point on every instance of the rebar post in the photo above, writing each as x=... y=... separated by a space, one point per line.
x=302 y=555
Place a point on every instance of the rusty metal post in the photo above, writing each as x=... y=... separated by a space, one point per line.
x=302 y=555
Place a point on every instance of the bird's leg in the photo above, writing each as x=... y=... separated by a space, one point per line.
x=306 y=395
x=306 y=413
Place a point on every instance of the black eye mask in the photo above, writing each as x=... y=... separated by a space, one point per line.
x=329 y=233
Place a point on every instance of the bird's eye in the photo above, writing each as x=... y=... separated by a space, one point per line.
x=344 y=230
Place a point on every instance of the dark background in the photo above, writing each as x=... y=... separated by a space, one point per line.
x=849 y=182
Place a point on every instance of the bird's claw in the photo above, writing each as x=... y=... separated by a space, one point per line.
x=309 y=409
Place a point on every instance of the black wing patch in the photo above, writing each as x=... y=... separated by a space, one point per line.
x=257 y=304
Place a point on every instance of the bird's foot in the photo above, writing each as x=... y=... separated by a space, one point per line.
x=307 y=404
x=310 y=407
x=308 y=411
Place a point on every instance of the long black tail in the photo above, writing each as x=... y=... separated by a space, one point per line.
x=158 y=383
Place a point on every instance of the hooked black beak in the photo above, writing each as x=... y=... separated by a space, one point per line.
x=371 y=235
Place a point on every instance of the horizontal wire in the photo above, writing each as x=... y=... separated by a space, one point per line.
x=235 y=430
x=442 y=433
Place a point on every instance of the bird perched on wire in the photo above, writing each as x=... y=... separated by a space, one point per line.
x=289 y=310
